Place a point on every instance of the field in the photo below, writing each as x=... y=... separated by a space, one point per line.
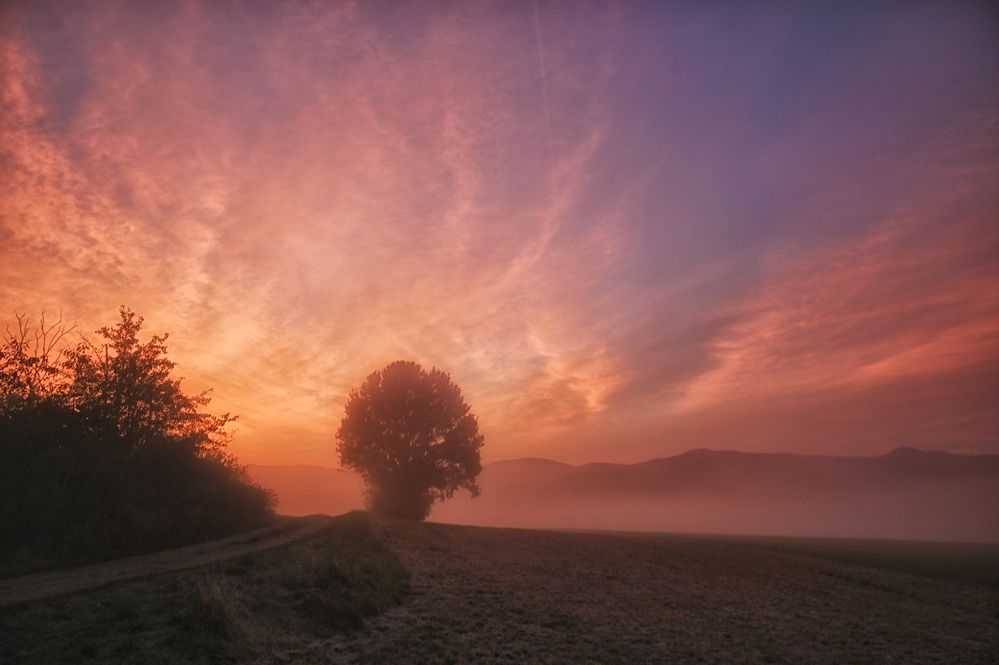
x=382 y=591
x=267 y=606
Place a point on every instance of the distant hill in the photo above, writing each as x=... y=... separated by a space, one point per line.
x=905 y=494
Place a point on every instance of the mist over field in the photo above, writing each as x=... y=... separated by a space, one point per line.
x=906 y=494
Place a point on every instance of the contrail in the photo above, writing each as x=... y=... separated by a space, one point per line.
x=544 y=95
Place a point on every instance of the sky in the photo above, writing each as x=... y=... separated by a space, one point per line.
x=625 y=229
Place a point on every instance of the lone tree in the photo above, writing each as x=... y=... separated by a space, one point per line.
x=412 y=437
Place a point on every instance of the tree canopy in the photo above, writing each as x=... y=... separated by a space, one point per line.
x=102 y=451
x=412 y=437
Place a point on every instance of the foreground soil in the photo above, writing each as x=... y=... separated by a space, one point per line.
x=369 y=590
x=516 y=596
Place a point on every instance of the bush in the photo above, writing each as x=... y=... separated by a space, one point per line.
x=103 y=453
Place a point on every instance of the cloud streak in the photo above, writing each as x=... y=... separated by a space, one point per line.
x=300 y=195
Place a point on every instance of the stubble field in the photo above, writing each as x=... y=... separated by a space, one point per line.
x=383 y=591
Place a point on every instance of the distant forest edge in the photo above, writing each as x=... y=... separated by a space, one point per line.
x=103 y=453
x=906 y=494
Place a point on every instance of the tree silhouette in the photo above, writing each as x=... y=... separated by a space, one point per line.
x=125 y=387
x=412 y=437
x=102 y=452
x=31 y=364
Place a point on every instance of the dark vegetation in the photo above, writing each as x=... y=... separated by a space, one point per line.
x=412 y=437
x=103 y=453
x=277 y=605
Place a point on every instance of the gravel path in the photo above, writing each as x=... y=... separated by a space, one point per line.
x=53 y=583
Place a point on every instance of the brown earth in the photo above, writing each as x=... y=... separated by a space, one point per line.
x=484 y=595
x=487 y=595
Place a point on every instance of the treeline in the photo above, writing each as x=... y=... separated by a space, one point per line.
x=103 y=453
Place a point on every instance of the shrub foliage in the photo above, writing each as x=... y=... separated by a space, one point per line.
x=102 y=452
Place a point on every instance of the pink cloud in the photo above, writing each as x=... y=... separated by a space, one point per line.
x=303 y=195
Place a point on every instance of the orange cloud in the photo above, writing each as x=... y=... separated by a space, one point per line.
x=300 y=195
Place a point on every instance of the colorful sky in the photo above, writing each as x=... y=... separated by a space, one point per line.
x=626 y=229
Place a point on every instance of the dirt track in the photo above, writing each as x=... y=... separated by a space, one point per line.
x=42 y=585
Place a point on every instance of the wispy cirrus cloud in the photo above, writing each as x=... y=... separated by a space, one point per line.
x=300 y=194
x=300 y=201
